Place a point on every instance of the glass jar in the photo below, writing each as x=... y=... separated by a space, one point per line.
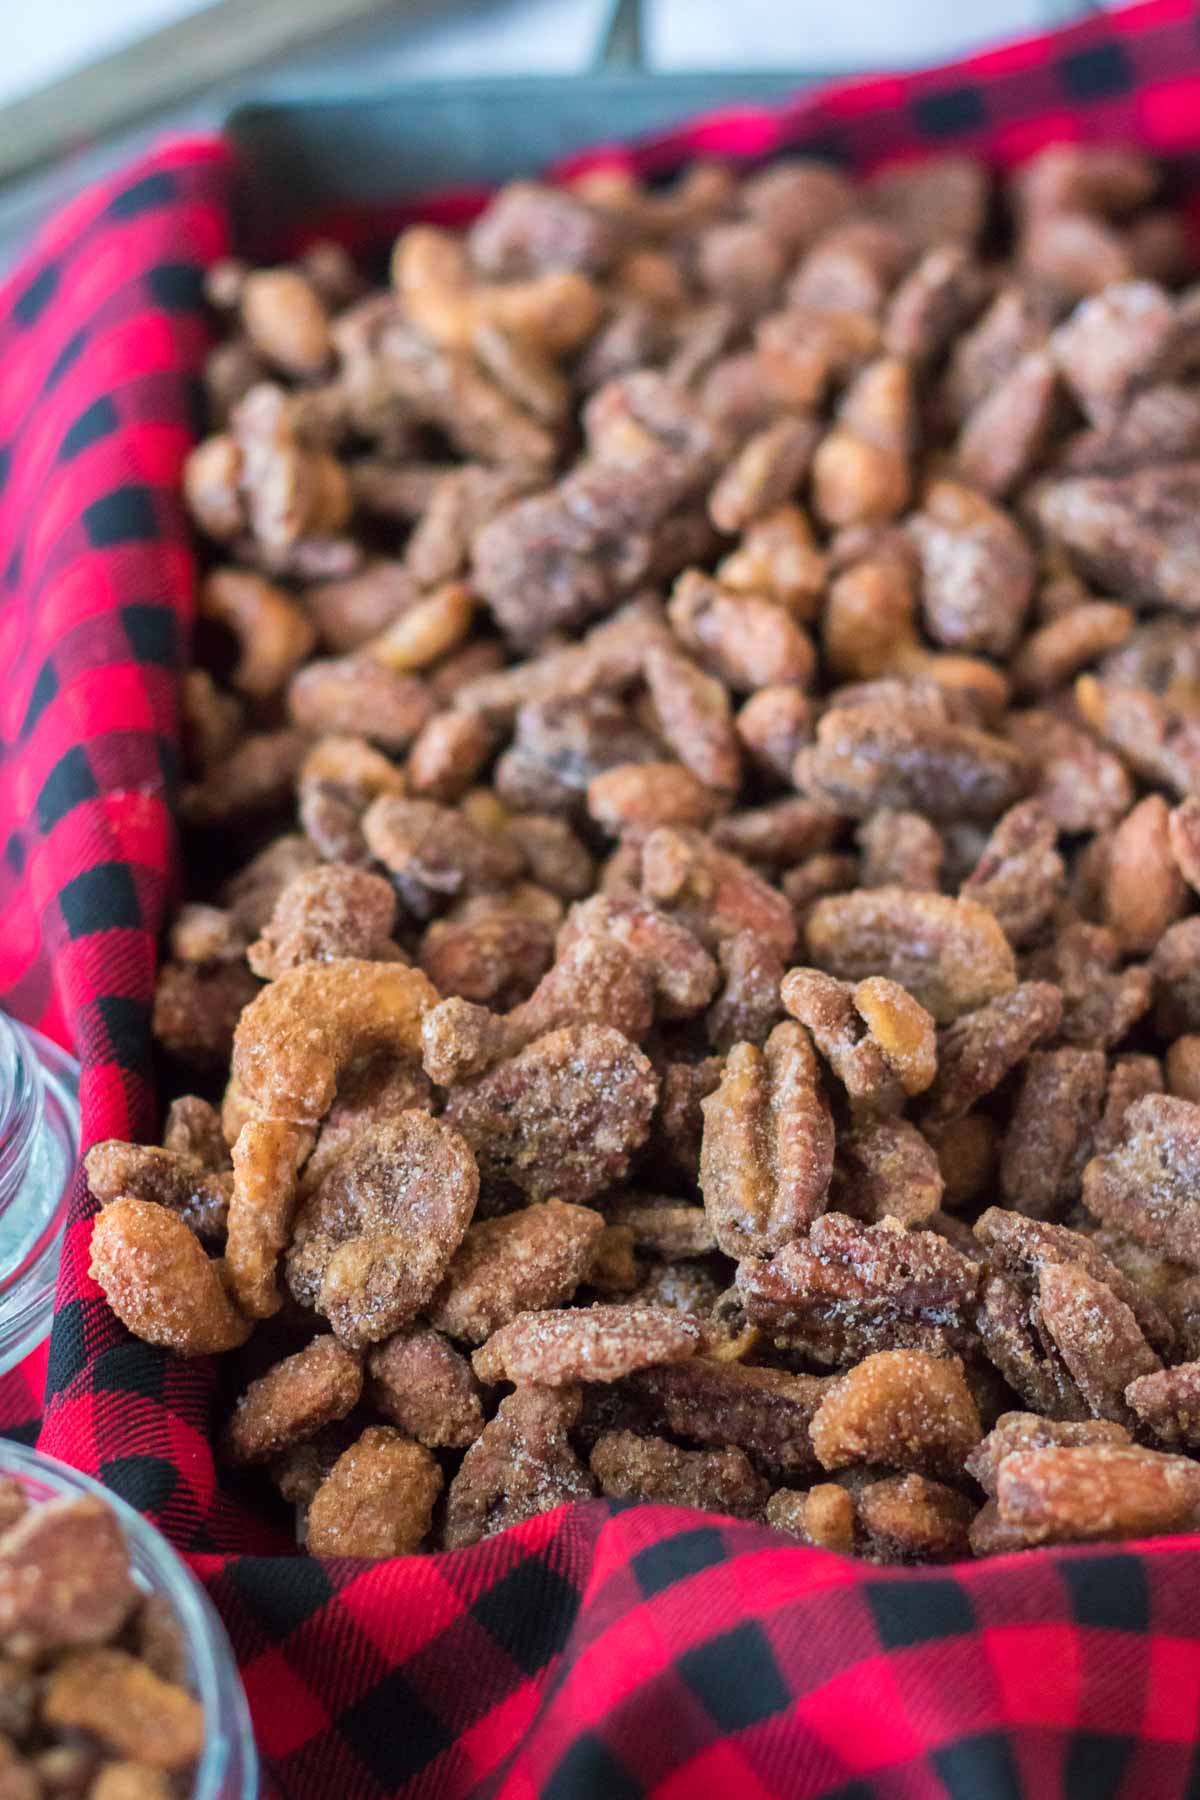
x=228 y=1767
x=39 y=1143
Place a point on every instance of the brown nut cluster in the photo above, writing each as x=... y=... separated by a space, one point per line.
x=719 y=1021
x=95 y=1694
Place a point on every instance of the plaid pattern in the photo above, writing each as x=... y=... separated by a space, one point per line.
x=599 y=1651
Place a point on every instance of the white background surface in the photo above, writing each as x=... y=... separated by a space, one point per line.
x=47 y=38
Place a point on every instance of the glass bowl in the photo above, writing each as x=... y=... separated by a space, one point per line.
x=39 y=1142
x=228 y=1768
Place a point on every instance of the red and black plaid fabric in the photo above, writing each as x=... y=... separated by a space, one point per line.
x=599 y=1652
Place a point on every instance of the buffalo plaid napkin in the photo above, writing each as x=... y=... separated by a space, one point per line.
x=599 y=1652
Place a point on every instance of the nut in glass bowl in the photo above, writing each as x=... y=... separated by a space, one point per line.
x=115 y=1661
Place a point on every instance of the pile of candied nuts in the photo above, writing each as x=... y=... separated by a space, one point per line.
x=721 y=1023
x=93 y=1695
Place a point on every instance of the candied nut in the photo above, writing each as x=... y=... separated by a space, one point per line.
x=678 y=1120
x=977 y=1051
x=528 y=228
x=1077 y=1493
x=767 y=470
x=210 y=721
x=211 y=487
x=435 y=853
x=460 y=1039
x=160 y=1284
x=629 y=1467
x=358 y=694
x=1183 y=1067
x=748 y=1005
x=557 y=859
x=614 y=1269
x=966 y=1153
x=285 y=320
x=596 y=980
x=749 y=640
x=273 y=635
x=1026 y=1431
x=64 y=1578
x=1155 y=734
x=639 y=796
x=773 y=725
x=951 y=955
x=421 y=1384
x=1005 y=433
x=253 y=891
x=886 y=1169
x=822 y=1516
x=112 y=1696
x=903 y=1409
x=524 y=1261
x=495 y=960
x=1129 y=1078
x=868 y=627
x=461 y=502
x=1144 y=891
x=563 y=1116
x=1082 y=786
x=1175 y=971
x=778 y=835
x=899 y=849
x=977 y=571
x=430 y=628
x=1100 y=1002
x=860 y=470
x=324 y=914
x=130 y=1781
x=661 y=1225
x=693 y=713
x=711 y=891
x=765 y=1412
x=879 y=1040
x=797 y=198
x=1166 y=1403
x=767 y=1150
x=878 y=754
x=522 y=1464
x=1113 y=342
x=1073 y=254
x=778 y=556
x=1131 y=534
x=266 y=1161
x=373 y=1092
x=595 y=1343
x=256 y=776
x=1145 y=1186
x=374 y=1239
x=447 y=754
x=294 y=1399
x=1021 y=1247
x=199 y=1195
x=295 y=1040
x=1020 y=875
x=377 y=1500
x=1049 y=1136
x=1096 y=1335
x=562 y=744
x=909 y=1518
x=1051 y=656
x=1183 y=827
x=205 y=934
x=849 y=1289
x=196 y=1010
